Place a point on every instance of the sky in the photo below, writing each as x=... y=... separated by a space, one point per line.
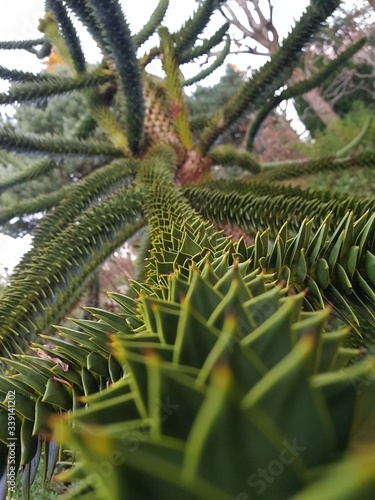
x=20 y=19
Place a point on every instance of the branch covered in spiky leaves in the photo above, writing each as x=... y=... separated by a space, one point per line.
x=41 y=203
x=15 y=75
x=116 y=31
x=278 y=171
x=85 y=14
x=67 y=261
x=187 y=35
x=216 y=64
x=69 y=33
x=21 y=44
x=271 y=76
x=177 y=104
x=150 y=27
x=254 y=205
x=96 y=186
x=336 y=264
x=234 y=360
x=47 y=87
x=205 y=47
x=301 y=88
x=44 y=167
x=230 y=156
x=12 y=141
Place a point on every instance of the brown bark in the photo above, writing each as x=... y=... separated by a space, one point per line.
x=194 y=168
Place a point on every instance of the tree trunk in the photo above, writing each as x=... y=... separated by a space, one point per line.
x=316 y=101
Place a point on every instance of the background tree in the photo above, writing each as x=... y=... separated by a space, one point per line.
x=255 y=33
x=352 y=83
x=252 y=23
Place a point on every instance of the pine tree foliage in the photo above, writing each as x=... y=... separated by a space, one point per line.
x=225 y=354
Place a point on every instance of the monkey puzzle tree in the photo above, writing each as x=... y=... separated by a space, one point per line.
x=223 y=359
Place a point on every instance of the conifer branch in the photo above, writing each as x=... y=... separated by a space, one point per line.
x=278 y=171
x=48 y=87
x=187 y=35
x=117 y=32
x=96 y=186
x=69 y=33
x=28 y=45
x=42 y=168
x=205 y=47
x=216 y=64
x=64 y=267
x=12 y=141
x=230 y=156
x=107 y=121
x=174 y=89
x=15 y=75
x=150 y=27
x=41 y=203
x=256 y=205
x=85 y=14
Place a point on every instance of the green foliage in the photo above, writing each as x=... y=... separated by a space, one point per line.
x=229 y=156
x=355 y=82
x=216 y=64
x=51 y=86
x=21 y=44
x=225 y=355
x=246 y=355
x=190 y=31
x=354 y=134
x=303 y=87
x=338 y=135
x=116 y=31
x=174 y=88
x=68 y=32
x=150 y=27
x=270 y=77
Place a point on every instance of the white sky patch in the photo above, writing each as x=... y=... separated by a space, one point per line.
x=11 y=251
